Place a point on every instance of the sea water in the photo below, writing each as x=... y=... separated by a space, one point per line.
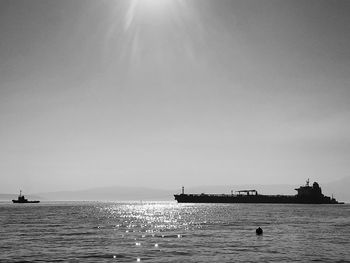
x=171 y=232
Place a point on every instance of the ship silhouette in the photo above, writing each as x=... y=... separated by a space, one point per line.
x=306 y=195
x=21 y=199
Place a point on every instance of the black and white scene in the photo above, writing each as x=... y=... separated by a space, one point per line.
x=174 y=131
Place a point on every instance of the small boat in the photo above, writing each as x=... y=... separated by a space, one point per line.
x=22 y=200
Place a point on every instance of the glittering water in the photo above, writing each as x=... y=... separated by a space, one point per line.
x=171 y=232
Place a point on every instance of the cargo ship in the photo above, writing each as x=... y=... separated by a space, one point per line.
x=22 y=200
x=305 y=195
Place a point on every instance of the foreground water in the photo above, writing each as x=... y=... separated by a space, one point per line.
x=171 y=232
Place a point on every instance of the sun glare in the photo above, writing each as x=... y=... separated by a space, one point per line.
x=149 y=10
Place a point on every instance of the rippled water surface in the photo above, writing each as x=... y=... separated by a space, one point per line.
x=171 y=232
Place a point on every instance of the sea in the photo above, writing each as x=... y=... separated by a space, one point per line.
x=171 y=232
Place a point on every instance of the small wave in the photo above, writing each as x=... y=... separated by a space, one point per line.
x=78 y=234
x=181 y=253
x=98 y=255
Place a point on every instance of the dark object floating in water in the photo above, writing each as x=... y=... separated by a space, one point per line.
x=259 y=231
x=306 y=195
x=22 y=200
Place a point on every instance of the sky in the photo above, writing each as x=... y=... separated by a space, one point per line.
x=165 y=93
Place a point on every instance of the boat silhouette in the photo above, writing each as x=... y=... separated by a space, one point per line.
x=306 y=195
x=21 y=199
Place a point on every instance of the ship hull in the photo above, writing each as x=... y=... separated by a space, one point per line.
x=26 y=202
x=270 y=199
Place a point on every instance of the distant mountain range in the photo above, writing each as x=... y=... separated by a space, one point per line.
x=9 y=197
x=339 y=188
x=111 y=193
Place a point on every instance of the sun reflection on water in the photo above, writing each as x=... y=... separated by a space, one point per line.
x=150 y=218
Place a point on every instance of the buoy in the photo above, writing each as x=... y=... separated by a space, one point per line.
x=259 y=231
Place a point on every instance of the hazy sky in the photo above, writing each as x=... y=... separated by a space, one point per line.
x=164 y=93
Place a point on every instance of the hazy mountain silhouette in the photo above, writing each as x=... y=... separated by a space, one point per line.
x=9 y=197
x=339 y=188
x=111 y=193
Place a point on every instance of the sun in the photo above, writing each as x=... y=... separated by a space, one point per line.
x=148 y=11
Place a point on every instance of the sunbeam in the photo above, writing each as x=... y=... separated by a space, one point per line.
x=152 y=29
